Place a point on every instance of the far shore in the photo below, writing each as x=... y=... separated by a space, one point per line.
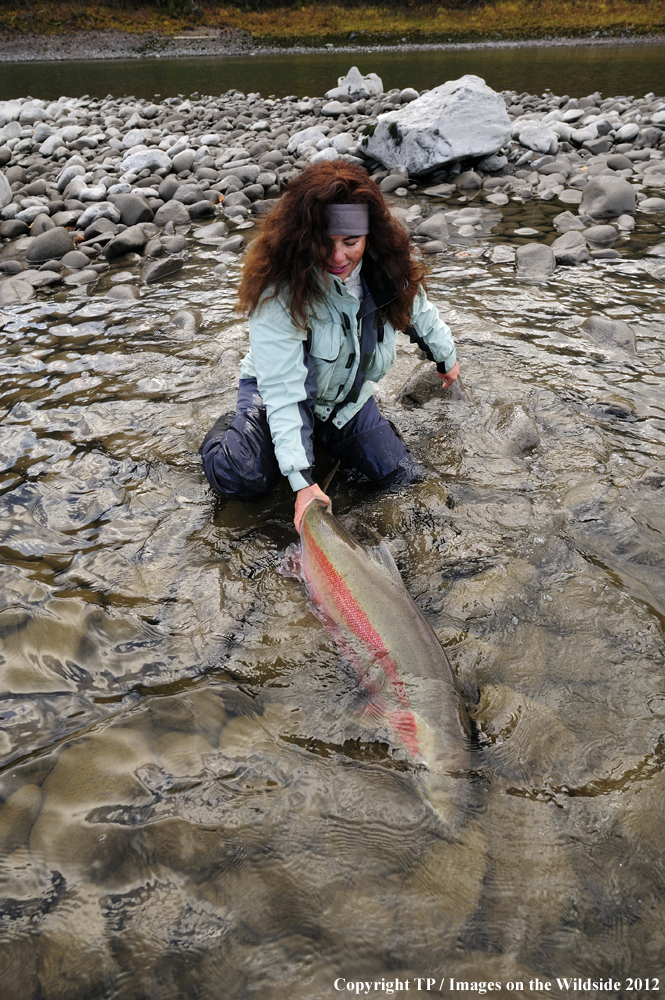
x=76 y=46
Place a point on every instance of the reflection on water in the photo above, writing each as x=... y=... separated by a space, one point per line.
x=191 y=806
x=574 y=70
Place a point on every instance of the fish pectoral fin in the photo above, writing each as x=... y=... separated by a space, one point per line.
x=382 y=555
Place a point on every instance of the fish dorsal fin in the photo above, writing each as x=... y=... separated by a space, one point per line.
x=373 y=544
x=382 y=555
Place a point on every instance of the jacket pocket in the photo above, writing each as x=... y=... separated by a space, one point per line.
x=326 y=341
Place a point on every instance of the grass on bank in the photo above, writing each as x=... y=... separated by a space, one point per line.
x=319 y=23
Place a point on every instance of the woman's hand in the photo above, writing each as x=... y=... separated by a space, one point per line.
x=304 y=498
x=449 y=377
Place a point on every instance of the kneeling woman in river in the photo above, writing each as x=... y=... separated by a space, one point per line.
x=327 y=284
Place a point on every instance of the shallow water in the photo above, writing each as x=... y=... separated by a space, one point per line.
x=576 y=70
x=192 y=808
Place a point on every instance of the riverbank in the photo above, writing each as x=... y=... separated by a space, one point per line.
x=70 y=31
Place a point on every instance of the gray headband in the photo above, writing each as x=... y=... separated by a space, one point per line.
x=348 y=220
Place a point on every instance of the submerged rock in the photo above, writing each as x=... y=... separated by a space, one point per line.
x=535 y=260
x=610 y=332
x=607 y=198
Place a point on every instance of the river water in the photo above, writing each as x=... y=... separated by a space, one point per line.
x=577 y=70
x=192 y=808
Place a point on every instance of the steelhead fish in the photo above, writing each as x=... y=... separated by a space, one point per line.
x=406 y=676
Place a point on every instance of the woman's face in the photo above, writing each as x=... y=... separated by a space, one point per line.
x=347 y=254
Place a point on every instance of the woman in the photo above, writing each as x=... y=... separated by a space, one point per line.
x=327 y=284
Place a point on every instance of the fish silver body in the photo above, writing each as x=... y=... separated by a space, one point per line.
x=401 y=665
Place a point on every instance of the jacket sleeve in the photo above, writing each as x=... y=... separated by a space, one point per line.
x=285 y=381
x=430 y=333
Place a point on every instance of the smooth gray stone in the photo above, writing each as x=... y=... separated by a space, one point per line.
x=66 y=218
x=237 y=198
x=253 y=191
x=468 y=180
x=440 y=191
x=652 y=205
x=157 y=269
x=133 y=238
x=75 y=259
x=168 y=187
x=617 y=161
x=188 y=194
x=566 y=222
x=183 y=160
x=264 y=206
x=657 y=251
x=503 y=253
x=100 y=226
x=133 y=208
x=98 y=210
x=123 y=294
x=201 y=209
x=218 y=230
x=234 y=244
x=13 y=291
x=434 y=246
x=601 y=236
x=236 y=212
x=41 y=224
x=607 y=197
x=570 y=249
x=606 y=254
x=11 y=266
x=535 y=260
x=41 y=278
x=188 y=321
x=172 y=211
x=11 y=228
x=391 y=183
x=54 y=243
x=5 y=155
x=84 y=277
x=610 y=333
x=154 y=247
x=152 y=159
x=246 y=174
x=6 y=193
x=436 y=227
x=173 y=244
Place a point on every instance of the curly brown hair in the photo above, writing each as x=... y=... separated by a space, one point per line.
x=291 y=252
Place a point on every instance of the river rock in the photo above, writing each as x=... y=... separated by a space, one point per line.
x=133 y=208
x=201 y=209
x=610 y=333
x=157 y=269
x=75 y=259
x=148 y=159
x=601 y=236
x=132 y=239
x=566 y=222
x=11 y=228
x=652 y=205
x=173 y=244
x=458 y=120
x=539 y=138
x=41 y=224
x=570 y=249
x=51 y=245
x=96 y=211
x=607 y=197
x=172 y=211
x=6 y=193
x=436 y=227
x=183 y=160
x=355 y=85
x=123 y=294
x=535 y=260
x=13 y=292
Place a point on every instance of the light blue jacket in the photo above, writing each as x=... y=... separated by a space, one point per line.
x=277 y=360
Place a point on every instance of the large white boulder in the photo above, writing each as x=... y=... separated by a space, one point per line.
x=460 y=119
x=355 y=85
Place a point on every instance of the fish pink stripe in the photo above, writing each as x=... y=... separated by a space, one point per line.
x=356 y=618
